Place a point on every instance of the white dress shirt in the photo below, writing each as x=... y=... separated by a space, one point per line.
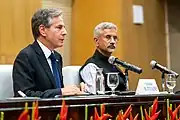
x=88 y=74
x=46 y=52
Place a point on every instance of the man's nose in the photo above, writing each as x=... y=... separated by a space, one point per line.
x=112 y=40
x=64 y=32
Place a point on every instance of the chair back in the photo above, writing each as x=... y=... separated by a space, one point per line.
x=71 y=75
x=6 y=82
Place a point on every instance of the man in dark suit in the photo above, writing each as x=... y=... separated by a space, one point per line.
x=37 y=70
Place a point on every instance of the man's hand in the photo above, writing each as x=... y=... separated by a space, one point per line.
x=71 y=90
x=83 y=87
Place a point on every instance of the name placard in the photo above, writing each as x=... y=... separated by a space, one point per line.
x=147 y=86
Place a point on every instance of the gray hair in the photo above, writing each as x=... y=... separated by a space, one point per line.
x=43 y=16
x=104 y=25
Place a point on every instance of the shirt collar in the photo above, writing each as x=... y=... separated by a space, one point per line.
x=45 y=50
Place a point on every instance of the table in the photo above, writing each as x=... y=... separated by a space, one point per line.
x=49 y=108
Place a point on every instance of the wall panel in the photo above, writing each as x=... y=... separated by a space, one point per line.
x=174 y=36
x=15 y=30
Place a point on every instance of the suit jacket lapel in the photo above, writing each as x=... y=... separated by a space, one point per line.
x=44 y=63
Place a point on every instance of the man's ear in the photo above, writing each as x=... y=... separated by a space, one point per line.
x=42 y=30
x=96 y=41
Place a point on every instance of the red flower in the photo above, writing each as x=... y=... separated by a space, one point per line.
x=153 y=115
x=24 y=115
x=154 y=107
x=102 y=109
x=173 y=113
x=103 y=116
x=96 y=115
x=135 y=118
x=125 y=115
x=36 y=111
x=63 y=112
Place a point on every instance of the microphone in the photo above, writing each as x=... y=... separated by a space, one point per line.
x=154 y=64
x=113 y=60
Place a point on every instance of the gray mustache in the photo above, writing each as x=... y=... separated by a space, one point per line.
x=111 y=47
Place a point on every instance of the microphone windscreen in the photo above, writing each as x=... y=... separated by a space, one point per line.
x=111 y=59
x=153 y=63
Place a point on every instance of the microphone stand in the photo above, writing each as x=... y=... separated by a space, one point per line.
x=126 y=79
x=163 y=81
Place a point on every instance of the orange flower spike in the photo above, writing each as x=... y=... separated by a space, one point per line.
x=131 y=117
x=126 y=114
x=155 y=116
x=24 y=115
x=36 y=112
x=174 y=113
x=120 y=116
x=64 y=110
x=154 y=107
x=91 y=118
x=105 y=116
x=96 y=115
x=136 y=117
x=146 y=115
x=102 y=109
x=170 y=112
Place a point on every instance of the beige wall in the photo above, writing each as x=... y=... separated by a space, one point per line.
x=138 y=44
x=15 y=31
x=66 y=7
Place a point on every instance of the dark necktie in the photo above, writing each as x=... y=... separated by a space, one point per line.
x=55 y=70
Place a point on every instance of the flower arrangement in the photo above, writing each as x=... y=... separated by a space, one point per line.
x=173 y=114
x=127 y=115
x=63 y=112
x=153 y=114
x=34 y=115
x=103 y=115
